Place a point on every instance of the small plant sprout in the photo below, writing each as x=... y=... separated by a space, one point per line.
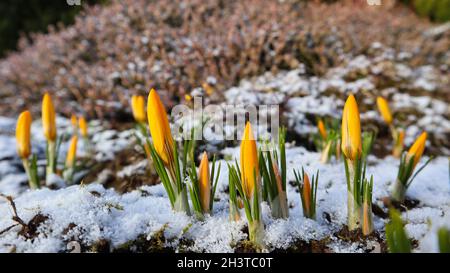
x=408 y=163
x=69 y=168
x=327 y=140
x=272 y=165
x=49 y=127
x=245 y=180
x=308 y=192
x=164 y=154
x=367 y=217
x=397 y=134
x=23 y=140
x=444 y=240
x=203 y=186
x=396 y=237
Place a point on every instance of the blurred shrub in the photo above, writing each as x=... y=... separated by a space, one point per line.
x=128 y=46
x=436 y=10
x=27 y=16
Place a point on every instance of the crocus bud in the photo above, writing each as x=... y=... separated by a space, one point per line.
x=417 y=149
x=48 y=118
x=159 y=127
x=83 y=127
x=204 y=183
x=72 y=152
x=351 y=130
x=322 y=130
x=74 y=122
x=249 y=161
x=23 y=135
x=307 y=193
x=383 y=107
x=138 y=108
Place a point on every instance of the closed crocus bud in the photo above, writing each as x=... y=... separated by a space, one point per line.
x=204 y=182
x=23 y=135
x=138 y=108
x=351 y=130
x=83 y=126
x=74 y=122
x=383 y=107
x=159 y=127
x=322 y=130
x=307 y=193
x=72 y=152
x=417 y=149
x=48 y=118
x=249 y=161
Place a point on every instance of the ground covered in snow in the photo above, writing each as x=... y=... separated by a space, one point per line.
x=96 y=216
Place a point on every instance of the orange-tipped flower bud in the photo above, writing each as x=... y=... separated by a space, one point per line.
x=322 y=130
x=74 y=122
x=72 y=152
x=351 y=130
x=159 y=127
x=83 y=127
x=138 y=108
x=249 y=161
x=383 y=107
x=204 y=183
x=417 y=149
x=307 y=193
x=48 y=118
x=23 y=135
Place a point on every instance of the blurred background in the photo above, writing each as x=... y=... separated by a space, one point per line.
x=92 y=57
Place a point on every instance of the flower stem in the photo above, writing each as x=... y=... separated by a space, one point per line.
x=51 y=160
x=256 y=232
x=33 y=179
x=354 y=210
x=399 y=191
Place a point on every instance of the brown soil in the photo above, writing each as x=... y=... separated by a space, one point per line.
x=122 y=184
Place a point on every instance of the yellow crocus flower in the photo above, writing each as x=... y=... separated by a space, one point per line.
x=48 y=118
x=72 y=152
x=383 y=107
x=83 y=126
x=417 y=149
x=138 y=108
x=322 y=129
x=351 y=130
x=249 y=161
x=159 y=127
x=204 y=182
x=23 y=135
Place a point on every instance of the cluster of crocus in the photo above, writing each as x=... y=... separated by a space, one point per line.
x=408 y=163
x=272 y=165
x=308 y=192
x=398 y=135
x=327 y=140
x=23 y=140
x=244 y=179
x=358 y=186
